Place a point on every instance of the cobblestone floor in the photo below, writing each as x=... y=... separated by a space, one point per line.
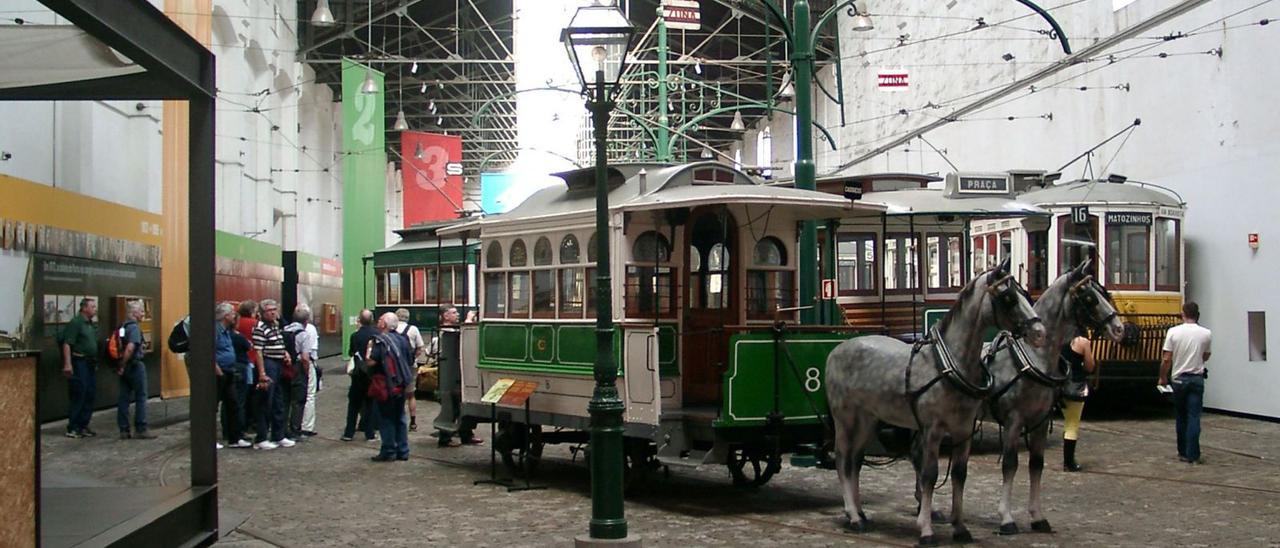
x=326 y=492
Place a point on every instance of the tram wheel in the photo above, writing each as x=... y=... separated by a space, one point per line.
x=510 y=443
x=753 y=466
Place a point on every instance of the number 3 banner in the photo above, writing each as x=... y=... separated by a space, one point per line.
x=432 y=176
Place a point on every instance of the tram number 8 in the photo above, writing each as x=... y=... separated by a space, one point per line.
x=812 y=379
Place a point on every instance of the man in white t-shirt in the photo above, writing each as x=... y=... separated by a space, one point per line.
x=1186 y=349
x=419 y=352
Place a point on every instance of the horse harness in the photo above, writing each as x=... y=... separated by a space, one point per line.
x=1024 y=362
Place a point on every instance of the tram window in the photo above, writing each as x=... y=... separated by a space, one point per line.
x=518 y=293
x=446 y=285
x=393 y=287
x=519 y=255
x=651 y=247
x=590 y=293
x=569 y=251
x=572 y=291
x=495 y=294
x=381 y=276
x=648 y=288
x=1168 y=236
x=544 y=293
x=1038 y=260
x=718 y=291
x=695 y=277
x=1127 y=258
x=901 y=258
x=460 y=286
x=856 y=263
x=769 y=252
x=648 y=291
x=432 y=288
x=993 y=250
x=542 y=252
x=591 y=248
x=1076 y=243
x=979 y=255
x=767 y=291
x=419 y=283
x=944 y=261
x=494 y=257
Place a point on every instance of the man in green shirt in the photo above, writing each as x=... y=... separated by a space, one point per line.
x=79 y=344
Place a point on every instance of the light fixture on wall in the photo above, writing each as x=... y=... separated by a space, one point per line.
x=322 y=16
x=738 y=124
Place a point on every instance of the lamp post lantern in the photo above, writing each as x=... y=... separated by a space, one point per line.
x=598 y=39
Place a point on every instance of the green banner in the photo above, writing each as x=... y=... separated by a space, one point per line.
x=234 y=246
x=364 y=164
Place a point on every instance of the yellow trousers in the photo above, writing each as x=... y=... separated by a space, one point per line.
x=1071 y=411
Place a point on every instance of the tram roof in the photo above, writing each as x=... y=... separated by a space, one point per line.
x=1101 y=192
x=929 y=201
x=664 y=186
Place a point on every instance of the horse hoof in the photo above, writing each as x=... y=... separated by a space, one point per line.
x=928 y=540
x=1041 y=526
x=962 y=536
x=1010 y=528
x=937 y=516
x=860 y=526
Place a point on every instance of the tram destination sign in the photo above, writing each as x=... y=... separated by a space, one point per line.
x=971 y=184
x=1122 y=218
x=682 y=14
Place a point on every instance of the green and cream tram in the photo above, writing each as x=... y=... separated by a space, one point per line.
x=703 y=260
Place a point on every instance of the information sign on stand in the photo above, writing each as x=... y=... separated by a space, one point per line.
x=495 y=393
x=518 y=393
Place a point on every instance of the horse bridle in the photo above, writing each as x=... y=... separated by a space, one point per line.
x=1089 y=300
x=1006 y=299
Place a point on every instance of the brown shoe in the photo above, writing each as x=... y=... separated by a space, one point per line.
x=144 y=435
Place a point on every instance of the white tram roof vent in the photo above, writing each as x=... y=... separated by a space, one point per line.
x=976 y=185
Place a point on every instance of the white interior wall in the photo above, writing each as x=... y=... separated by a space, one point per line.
x=1207 y=132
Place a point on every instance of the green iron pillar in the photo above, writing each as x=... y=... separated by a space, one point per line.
x=664 y=135
x=805 y=171
x=607 y=520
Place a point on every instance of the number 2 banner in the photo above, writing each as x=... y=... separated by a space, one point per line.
x=432 y=176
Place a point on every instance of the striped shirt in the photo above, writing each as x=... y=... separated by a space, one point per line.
x=269 y=339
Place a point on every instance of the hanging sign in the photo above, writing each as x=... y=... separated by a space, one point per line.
x=432 y=176
x=1123 y=218
x=892 y=80
x=682 y=14
x=853 y=190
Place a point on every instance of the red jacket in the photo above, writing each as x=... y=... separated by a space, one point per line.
x=245 y=327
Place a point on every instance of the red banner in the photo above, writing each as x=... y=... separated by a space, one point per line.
x=432 y=176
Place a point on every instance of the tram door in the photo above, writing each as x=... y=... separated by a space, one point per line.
x=712 y=301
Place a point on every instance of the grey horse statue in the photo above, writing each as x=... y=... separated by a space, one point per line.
x=935 y=387
x=1027 y=381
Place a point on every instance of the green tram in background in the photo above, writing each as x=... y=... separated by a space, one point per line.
x=713 y=368
x=423 y=272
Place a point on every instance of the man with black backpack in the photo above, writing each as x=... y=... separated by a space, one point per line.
x=272 y=359
x=133 y=375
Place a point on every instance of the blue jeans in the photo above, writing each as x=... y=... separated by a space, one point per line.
x=82 y=388
x=1188 y=398
x=133 y=389
x=393 y=424
x=270 y=405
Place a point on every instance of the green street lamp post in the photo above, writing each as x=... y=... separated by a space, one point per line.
x=598 y=39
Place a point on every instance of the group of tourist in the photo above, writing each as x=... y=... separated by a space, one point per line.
x=267 y=374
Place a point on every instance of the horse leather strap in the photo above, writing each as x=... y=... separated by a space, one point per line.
x=945 y=365
x=1025 y=365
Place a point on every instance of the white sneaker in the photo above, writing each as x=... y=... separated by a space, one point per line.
x=217 y=445
x=286 y=442
x=241 y=444
x=265 y=445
